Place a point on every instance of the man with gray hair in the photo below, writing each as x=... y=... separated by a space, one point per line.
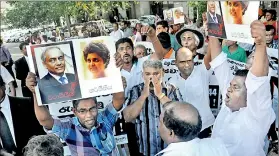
x=44 y=145
x=144 y=105
x=54 y=61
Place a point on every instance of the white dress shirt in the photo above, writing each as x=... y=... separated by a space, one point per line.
x=7 y=78
x=243 y=132
x=195 y=90
x=117 y=35
x=196 y=147
x=58 y=77
x=6 y=110
x=134 y=77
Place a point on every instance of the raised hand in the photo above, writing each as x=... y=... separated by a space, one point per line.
x=258 y=32
x=31 y=82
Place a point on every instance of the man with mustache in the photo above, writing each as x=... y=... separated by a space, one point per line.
x=192 y=82
x=54 y=61
x=247 y=113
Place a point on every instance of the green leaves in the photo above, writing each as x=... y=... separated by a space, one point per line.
x=31 y=14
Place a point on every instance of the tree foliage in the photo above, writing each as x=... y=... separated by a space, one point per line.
x=201 y=5
x=30 y=14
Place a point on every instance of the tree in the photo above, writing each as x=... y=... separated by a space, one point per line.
x=30 y=14
x=200 y=5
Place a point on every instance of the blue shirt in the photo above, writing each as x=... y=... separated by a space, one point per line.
x=174 y=43
x=98 y=140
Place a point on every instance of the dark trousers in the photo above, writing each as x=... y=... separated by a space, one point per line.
x=205 y=133
x=272 y=132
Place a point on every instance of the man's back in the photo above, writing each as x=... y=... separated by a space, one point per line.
x=197 y=147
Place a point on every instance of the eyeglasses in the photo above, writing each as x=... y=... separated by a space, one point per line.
x=84 y=111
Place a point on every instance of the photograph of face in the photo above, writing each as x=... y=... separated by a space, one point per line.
x=54 y=65
x=214 y=13
x=178 y=16
x=239 y=12
x=168 y=15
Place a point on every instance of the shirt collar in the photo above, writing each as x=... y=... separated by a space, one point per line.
x=178 y=146
x=58 y=77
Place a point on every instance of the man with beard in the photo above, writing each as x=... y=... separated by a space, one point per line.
x=246 y=114
x=144 y=105
x=89 y=132
x=193 y=85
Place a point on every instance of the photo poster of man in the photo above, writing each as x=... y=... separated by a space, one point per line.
x=148 y=45
x=238 y=16
x=168 y=16
x=55 y=68
x=98 y=74
x=215 y=20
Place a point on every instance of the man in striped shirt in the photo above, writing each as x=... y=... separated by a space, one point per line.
x=144 y=105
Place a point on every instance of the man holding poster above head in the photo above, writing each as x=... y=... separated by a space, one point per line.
x=88 y=133
x=247 y=113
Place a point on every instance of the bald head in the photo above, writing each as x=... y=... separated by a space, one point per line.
x=183 y=118
x=182 y=52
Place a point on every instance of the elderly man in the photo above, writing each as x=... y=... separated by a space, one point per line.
x=89 y=132
x=212 y=16
x=192 y=82
x=180 y=124
x=66 y=83
x=191 y=39
x=247 y=112
x=144 y=104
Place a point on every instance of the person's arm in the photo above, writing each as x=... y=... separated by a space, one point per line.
x=12 y=89
x=41 y=112
x=207 y=58
x=135 y=102
x=214 y=47
x=160 y=52
x=118 y=100
x=260 y=65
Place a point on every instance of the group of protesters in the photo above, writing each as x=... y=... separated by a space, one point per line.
x=169 y=119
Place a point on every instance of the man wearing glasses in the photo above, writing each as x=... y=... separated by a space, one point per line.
x=88 y=133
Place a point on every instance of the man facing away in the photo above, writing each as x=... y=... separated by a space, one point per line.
x=246 y=115
x=180 y=124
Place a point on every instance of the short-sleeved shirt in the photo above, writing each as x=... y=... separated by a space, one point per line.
x=147 y=123
x=98 y=140
x=238 y=55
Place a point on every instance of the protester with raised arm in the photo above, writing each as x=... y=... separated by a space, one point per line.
x=246 y=115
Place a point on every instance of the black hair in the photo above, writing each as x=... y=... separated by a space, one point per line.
x=2 y=83
x=124 y=40
x=115 y=23
x=76 y=102
x=153 y=26
x=98 y=48
x=22 y=44
x=269 y=28
x=184 y=130
x=242 y=72
x=165 y=40
x=272 y=12
x=163 y=23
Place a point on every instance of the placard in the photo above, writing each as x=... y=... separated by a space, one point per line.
x=174 y=15
x=148 y=45
x=231 y=19
x=63 y=68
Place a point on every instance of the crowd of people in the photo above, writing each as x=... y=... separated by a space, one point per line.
x=160 y=118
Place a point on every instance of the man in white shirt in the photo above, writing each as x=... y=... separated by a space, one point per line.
x=192 y=82
x=246 y=115
x=180 y=124
x=8 y=79
x=116 y=33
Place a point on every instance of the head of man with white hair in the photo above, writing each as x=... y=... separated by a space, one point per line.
x=191 y=39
